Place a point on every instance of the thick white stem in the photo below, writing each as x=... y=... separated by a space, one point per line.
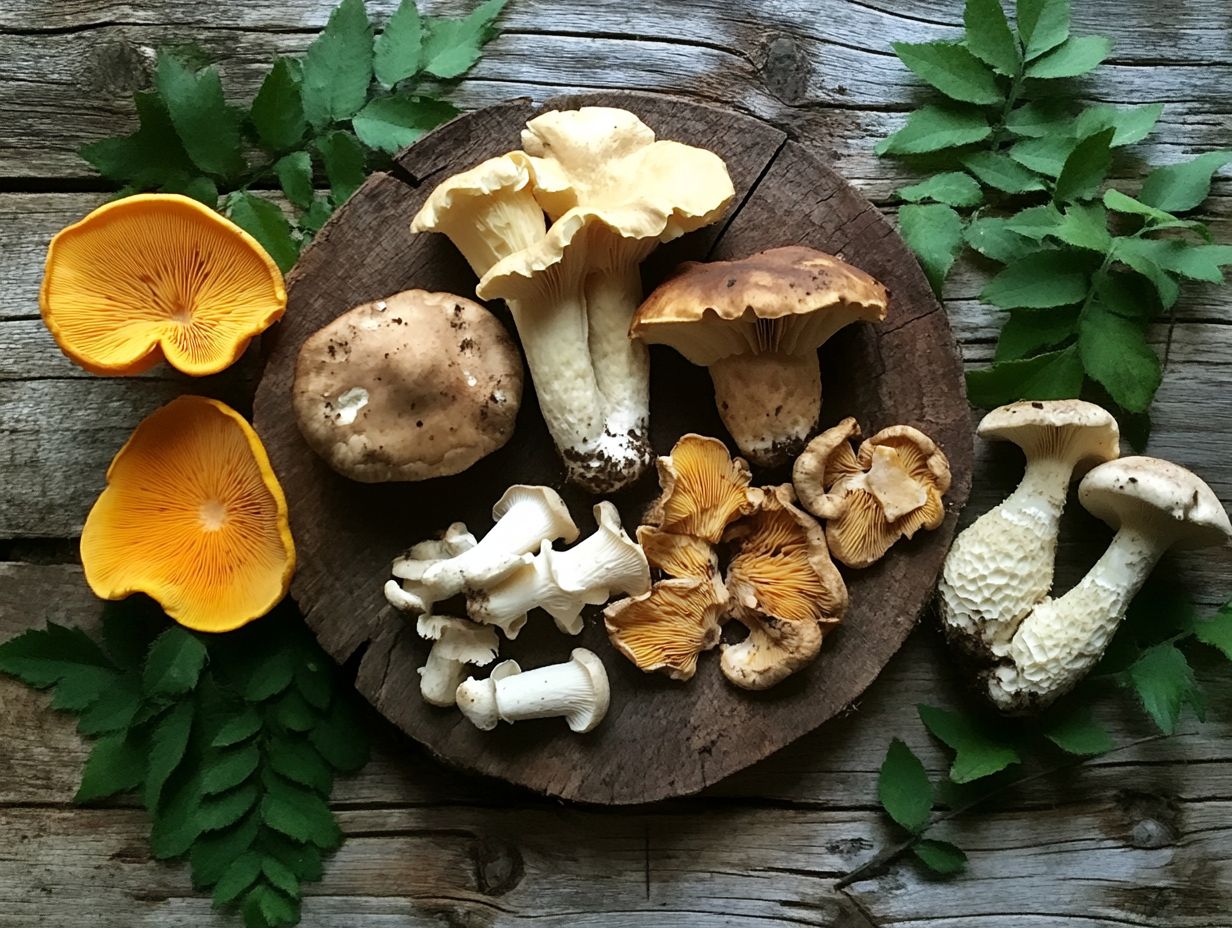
x=622 y=365
x=1062 y=639
x=530 y=587
x=577 y=691
x=439 y=679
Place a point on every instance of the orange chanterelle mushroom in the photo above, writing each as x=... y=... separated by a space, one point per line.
x=158 y=277
x=193 y=517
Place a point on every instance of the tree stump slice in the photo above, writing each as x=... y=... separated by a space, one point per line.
x=660 y=738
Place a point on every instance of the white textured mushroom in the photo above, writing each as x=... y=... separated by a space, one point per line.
x=1154 y=505
x=576 y=691
x=562 y=583
x=1001 y=566
x=456 y=643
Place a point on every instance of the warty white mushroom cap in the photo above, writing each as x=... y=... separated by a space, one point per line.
x=1077 y=431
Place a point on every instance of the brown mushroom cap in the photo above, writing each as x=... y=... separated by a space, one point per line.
x=667 y=628
x=414 y=386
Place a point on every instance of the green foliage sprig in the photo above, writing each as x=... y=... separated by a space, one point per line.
x=1147 y=656
x=1022 y=183
x=230 y=742
x=351 y=102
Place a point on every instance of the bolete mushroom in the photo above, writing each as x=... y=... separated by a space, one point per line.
x=455 y=644
x=1153 y=505
x=157 y=277
x=414 y=386
x=784 y=588
x=704 y=489
x=1000 y=566
x=193 y=517
x=667 y=628
x=576 y=691
x=890 y=490
x=756 y=324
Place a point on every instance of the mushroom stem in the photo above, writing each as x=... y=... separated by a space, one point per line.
x=621 y=364
x=769 y=402
x=439 y=678
x=576 y=690
x=529 y=587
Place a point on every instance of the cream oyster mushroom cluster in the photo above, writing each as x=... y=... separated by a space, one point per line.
x=509 y=572
x=612 y=193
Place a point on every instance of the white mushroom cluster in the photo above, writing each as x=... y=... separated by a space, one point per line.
x=513 y=570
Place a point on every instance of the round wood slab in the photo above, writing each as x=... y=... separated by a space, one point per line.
x=660 y=738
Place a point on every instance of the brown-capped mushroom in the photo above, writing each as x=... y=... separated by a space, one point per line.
x=667 y=628
x=413 y=386
x=704 y=489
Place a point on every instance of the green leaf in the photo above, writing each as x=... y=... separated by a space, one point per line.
x=1056 y=375
x=167 y=747
x=212 y=854
x=301 y=815
x=1085 y=227
x=932 y=128
x=1131 y=123
x=207 y=127
x=1002 y=172
x=399 y=46
x=903 y=787
x=1197 y=262
x=43 y=657
x=976 y=753
x=116 y=765
x=294 y=713
x=952 y=69
x=1039 y=118
x=389 y=124
x=298 y=761
x=83 y=688
x=281 y=876
x=1123 y=203
x=174 y=663
x=242 y=873
x=954 y=188
x=1085 y=168
x=240 y=727
x=940 y=856
x=339 y=737
x=338 y=66
x=273 y=676
x=1041 y=280
x=989 y=36
x=1028 y=332
x=294 y=172
x=278 y=109
x=1036 y=222
x=230 y=769
x=993 y=238
x=1077 y=732
x=1137 y=259
x=934 y=232
x=1165 y=683
x=265 y=222
x=1042 y=25
x=115 y=708
x=452 y=45
x=226 y=809
x=1180 y=187
x=1116 y=355
x=274 y=909
x=1217 y=631
x=1124 y=295
x=343 y=158
x=175 y=826
x=304 y=860
x=147 y=158
x=317 y=215
x=1046 y=155
x=1072 y=58
x=314 y=680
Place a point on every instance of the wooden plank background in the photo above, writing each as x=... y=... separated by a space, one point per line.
x=1143 y=838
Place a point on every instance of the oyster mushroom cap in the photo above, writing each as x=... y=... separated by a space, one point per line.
x=456 y=643
x=704 y=489
x=667 y=628
x=414 y=386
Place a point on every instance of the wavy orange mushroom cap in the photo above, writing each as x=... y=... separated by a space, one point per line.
x=158 y=277
x=667 y=628
x=193 y=517
x=704 y=489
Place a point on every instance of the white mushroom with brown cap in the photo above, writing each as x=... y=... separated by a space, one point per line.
x=576 y=691
x=455 y=644
x=1153 y=505
x=756 y=324
x=413 y=386
x=1001 y=566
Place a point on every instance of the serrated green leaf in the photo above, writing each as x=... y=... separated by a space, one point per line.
x=273 y=677
x=316 y=216
x=1041 y=280
x=1217 y=630
x=340 y=738
x=304 y=860
x=977 y=753
x=174 y=663
x=240 y=875
x=281 y=876
x=903 y=787
x=1180 y=187
x=278 y=109
x=206 y=126
x=1056 y=375
x=1165 y=683
x=265 y=222
x=1084 y=226
x=115 y=708
x=147 y=158
x=1002 y=172
x=953 y=188
x=952 y=69
x=1123 y=203
x=214 y=812
x=294 y=172
x=43 y=657
x=1036 y=222
x=992 y=237
x=989 y=36
x=935 y=233
x=1076 y=732
x=1167 y=288
x=1116 y=355
x=1197 y=262
x=298 y=761
x=932 y=128
x=301 y=815
x=399 y=46
x=240 y=727
x=1046 y=155
x=276 y=909
x=1029 y=332
x=451 y=46
x=1125 y=295
x=229 y=769
x=389 y=124
x=343 y=158
x=116 y=765
x=1040 y=118
x=1085 y=168
x=941 y=857
x=337 y=68
x=294 y=713
x=314 y=680
x=1130 y=123
x=175 y=826
x=83 y=688
x=1042 y=25
x=1071 y=58
x=167 y=746
x=213 y=853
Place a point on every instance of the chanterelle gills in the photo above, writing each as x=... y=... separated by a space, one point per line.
x=704 y=489
x=1153 y=505
x=1001 y=566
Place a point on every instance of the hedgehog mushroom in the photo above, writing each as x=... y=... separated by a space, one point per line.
x=756 y=324
x=1153 y=505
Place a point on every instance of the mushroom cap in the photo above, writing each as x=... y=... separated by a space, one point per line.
x=772 y=651
x=667 y=628
x=789 y=300
x=193 y=517
x=157 y=277
x=1071 y=429
x=459 y=639
x=1160 y=497
x=587 y=714
x=704 y=489
x=556 y=512
x=681 y=556
x=414 y=386
x=825 y=460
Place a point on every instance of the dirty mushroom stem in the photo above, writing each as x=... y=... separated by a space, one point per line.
x=769 y=402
